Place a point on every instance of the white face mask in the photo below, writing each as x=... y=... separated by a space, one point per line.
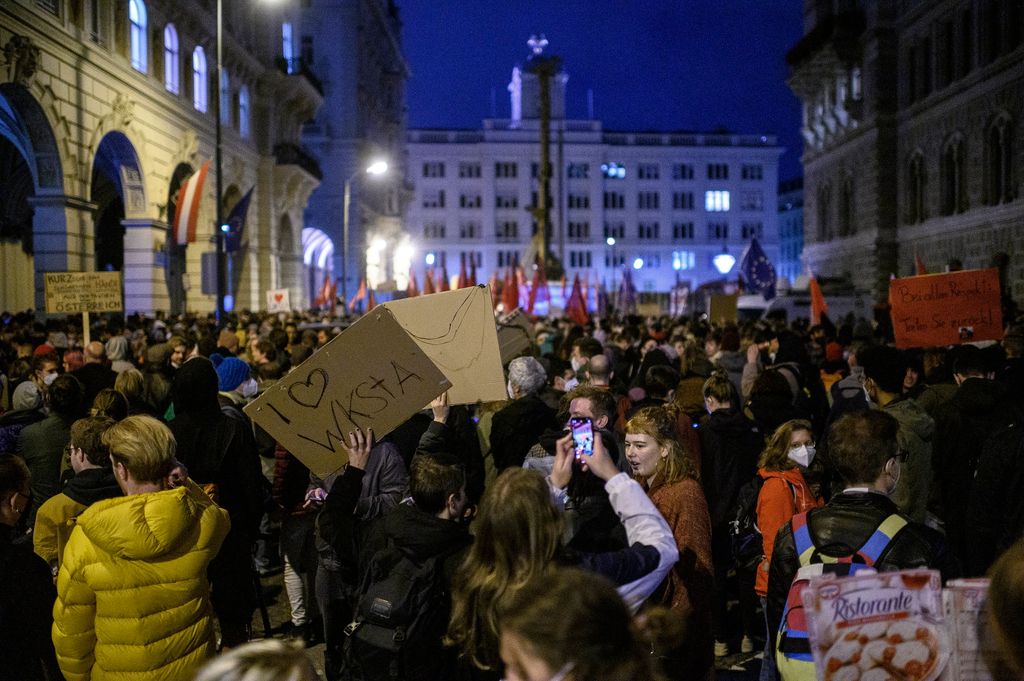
x=802 y=455
x=249 y=388
x=577 y=363
x=50 y=378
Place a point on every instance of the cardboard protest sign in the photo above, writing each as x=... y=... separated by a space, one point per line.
x=722 y=308
x=946 y=309
x=456 y=330
x=75 y=292
x=372 y=376
x=514 y=335
x=278 y=300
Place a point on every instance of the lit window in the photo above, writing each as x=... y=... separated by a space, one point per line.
x=288 y=46
x=225 y=98
x=716 y=201
x=137 y=19
x=172 y=60
x=243 y=112
x=200 y=96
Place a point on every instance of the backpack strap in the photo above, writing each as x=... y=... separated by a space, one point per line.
x=879 y=541
x=802 y=538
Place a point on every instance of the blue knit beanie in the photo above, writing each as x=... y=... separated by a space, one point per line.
x=231 y=373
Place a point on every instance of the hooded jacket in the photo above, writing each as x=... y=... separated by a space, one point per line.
x=915 y=439
x=730 y=444
x=132 y=593
x=56 y=518
x=783 y=495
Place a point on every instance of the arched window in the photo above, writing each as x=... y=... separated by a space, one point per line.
x=200 y=86
x=288 y=46
x=999 y=161
x=824 y=212
x=137 y=20
x=172 y=60
x=915 y=189
x=225 y=98
x=954 y=198
x=243 y=112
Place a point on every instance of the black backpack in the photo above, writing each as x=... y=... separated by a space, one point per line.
x=401 y=613
x=745 y=537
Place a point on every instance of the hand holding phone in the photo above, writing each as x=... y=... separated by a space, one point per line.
x=582 y=436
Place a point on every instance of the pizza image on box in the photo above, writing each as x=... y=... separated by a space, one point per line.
x=877 y=627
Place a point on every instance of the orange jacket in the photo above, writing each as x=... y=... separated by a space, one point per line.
x=784 y=494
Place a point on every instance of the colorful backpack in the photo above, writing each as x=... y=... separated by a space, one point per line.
x=793 y=646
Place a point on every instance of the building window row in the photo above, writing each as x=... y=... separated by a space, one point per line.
x=579 y=231
x=579 y=259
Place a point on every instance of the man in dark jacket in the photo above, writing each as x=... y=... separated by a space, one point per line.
x=94 y=375
x=864 y=449
x=995 y=512
x=27 y=593
x=428 y=527
x=518 y=426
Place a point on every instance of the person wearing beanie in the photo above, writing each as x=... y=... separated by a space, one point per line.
x=27 y=408
x=235 y=383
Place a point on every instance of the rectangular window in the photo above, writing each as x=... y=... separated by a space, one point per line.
x=718 y=230
x=507 y=230
x=469 y=230
x=750 y=230
x=579 y=231
x=579 y=201
x=682 y=230
x=682 y=200
x=506 y=170
x=682 y=171
x=752 y=172
x=473 y=258
x=648 y=230
x=508 y=258
x=647 y=200
x=718 y=171
x=469 y=170
x=434 y=199
x=433 y=230
x=648 y=171
x=684 y=260
x=579 y=259
x=716 y=201
x=614 y=200
x=506 y=201
x=751 y=201
x=433 y=169
x=614 y=230
x=579 y=171
x=469 y=201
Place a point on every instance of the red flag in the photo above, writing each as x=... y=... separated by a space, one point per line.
x=323 y=293
x=334 y=298
x=371 y=303
x=586 y=290
x=412 y=290
x=443 y=284
x=493 y=285
x=919 y=267
x=463 y=281
x=575 y=308
x=472 y=271
x=358 y=297
x=508 y=291
x=538 y=288
x=186 y=211
x=428 y=282
x=818 y=304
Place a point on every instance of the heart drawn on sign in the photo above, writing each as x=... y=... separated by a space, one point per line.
x=278 y=297
x=308 y=393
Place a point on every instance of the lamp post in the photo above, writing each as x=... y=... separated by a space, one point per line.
x=375 y=169
x=218 y=159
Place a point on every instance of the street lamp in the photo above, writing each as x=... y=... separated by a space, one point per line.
x=375 y=169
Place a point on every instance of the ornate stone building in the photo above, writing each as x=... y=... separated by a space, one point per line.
x=106 y=106
x=913 y=123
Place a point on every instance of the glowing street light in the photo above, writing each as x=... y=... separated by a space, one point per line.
x=723 y=262
x=375 y=169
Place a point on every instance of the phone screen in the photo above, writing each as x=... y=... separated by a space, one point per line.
x=582 y=435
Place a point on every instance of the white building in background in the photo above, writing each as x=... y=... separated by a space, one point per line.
x=662 y=203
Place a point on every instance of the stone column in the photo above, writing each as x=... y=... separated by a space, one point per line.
x=62 y=237
x=145 y=262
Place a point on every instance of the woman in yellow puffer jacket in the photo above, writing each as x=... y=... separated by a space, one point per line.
x=132 y=593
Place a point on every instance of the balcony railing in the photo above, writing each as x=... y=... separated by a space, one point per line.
x=287 y=153
x=296 y=66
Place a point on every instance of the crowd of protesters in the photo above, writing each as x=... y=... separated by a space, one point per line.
x=139 y=504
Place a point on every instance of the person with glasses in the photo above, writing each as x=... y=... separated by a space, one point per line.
x=26 y=586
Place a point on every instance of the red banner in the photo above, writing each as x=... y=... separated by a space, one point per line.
x=946 y=309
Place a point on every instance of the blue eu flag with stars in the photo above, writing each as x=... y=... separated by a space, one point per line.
x=757 y=271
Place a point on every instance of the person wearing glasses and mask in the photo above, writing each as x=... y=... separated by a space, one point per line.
x=26 y=586
x=863 y=448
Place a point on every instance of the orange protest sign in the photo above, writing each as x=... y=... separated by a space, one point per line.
x=946 y=309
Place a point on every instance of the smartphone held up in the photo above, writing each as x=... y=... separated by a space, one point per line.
x=582 y=436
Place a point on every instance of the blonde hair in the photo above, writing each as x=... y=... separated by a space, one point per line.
x=1004 y=649
x=775 y=456
x=143 y=445
x=660 y=423
x=518 y=536
x=719 y=386
x=269 y=660
x=131 y=384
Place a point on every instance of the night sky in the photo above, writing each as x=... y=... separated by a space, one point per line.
x=652 y=64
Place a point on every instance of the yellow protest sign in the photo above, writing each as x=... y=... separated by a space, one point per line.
x=75 y=292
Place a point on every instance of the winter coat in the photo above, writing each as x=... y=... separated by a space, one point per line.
x=56 y=518
x=94 y=377
x=11 y=425
x=26 y=613
x=687 y=589
x=915 y=439
x=42 y=446
x=518 y=427
x=840 y=528
x=730 y=444
x=783 y=495
x=733 y=362
x=995 y=512
x=132 y=593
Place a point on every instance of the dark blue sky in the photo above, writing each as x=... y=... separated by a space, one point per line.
x=652 y=64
